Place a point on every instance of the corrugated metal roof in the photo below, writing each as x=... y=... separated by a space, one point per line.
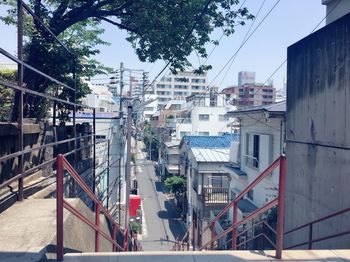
x=211 y=154
x=210 y=141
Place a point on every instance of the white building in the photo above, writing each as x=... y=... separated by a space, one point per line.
x=100 y=98
x=204 y=115
x=180 y=86
x=262 y=139
x=151 y=108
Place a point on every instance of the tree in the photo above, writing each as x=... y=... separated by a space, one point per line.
x=169 y=30
x=6 y=94
x=175 y=184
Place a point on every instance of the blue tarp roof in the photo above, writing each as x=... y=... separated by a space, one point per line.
x=210 y=141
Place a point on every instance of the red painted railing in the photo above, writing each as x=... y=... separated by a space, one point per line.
x=130 y=242
x=310 y=225
x=279 y=201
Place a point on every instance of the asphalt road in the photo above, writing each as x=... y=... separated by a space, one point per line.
x=162 y=218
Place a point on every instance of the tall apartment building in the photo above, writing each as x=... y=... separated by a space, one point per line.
x=179 y=86
x=245 y=77
x=249 y=93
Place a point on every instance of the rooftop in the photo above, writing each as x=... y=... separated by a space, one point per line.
x=272 y=109
x=211 y=154
x=209 y=141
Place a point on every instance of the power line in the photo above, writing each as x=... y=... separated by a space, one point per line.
x=245 y=37
x=244 y=42
x=223 y=33
x=185 y=40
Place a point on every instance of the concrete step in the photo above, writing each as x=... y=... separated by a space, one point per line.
x=209 y=256
x=31 y=185
x=28 y=231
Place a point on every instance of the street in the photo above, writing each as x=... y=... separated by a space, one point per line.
x=162 y=218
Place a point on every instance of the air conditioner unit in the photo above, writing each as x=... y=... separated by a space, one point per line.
x=199 y=190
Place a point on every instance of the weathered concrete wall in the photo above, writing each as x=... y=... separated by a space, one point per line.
x=318 y=137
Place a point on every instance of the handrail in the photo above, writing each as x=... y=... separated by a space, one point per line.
x=311 y=240
x=63 y=164
x=244 y=192
x=281 y=162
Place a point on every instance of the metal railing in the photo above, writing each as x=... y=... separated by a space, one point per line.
x=310 y=226
x=281 y=163
x=130 y=242
x=215 y=195
x=183 y=244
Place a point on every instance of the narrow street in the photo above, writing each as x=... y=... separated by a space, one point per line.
x=160 y=214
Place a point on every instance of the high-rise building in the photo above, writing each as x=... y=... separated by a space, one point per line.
x=245 y=77
x=179 y=86
x=249 y=93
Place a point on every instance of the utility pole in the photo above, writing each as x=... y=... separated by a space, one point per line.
x=128 y=168
x=120 y=141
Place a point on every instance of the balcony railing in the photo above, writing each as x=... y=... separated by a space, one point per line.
x=215 y=195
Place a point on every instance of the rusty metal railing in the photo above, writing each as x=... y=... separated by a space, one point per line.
x=130 y=242
x=279 y=201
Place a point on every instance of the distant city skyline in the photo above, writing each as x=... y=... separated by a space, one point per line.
x=263 y=52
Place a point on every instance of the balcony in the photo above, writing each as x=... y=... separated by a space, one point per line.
x=215 y=195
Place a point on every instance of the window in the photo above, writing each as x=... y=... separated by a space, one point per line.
x=253 y=146
x=196 y=80
x=250 y=194
x=181 y=79
x=181 y=86
x=166 y=79
x=161 y=86
x=184 y=133
x=223 y=118
x=203 y=117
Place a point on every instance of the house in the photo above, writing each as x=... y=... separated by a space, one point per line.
x=208 y=181
x=262 y=140
x=171 y=159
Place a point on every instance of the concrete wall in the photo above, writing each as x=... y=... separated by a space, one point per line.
x=318 y=140
x=336 y=9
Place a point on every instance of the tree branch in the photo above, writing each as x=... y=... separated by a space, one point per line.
x=121 y=26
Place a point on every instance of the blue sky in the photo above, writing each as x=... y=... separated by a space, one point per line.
x=289 y=22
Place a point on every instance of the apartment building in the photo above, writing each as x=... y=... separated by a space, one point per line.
x=204 y=115
x=179 y=86
x=251 y=94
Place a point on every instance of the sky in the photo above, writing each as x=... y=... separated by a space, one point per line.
x=265 y=50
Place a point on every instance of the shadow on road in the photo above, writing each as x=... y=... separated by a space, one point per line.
x=159 y=186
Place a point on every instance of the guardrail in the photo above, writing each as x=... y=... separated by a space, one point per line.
x=130 y=242
x=281 y=163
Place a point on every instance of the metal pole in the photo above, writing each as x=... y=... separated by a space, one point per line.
x=75 y=155
x=94 y=147
x=59 y=207
x=108 y=169
x=280 y=214
x=120 y=141
x=234 y=222
x=20 y=103
x=128 y=168
x=310 y=236
x=97 y=223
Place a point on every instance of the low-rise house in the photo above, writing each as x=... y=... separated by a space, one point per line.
x=262 y=140
x=208 y=181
